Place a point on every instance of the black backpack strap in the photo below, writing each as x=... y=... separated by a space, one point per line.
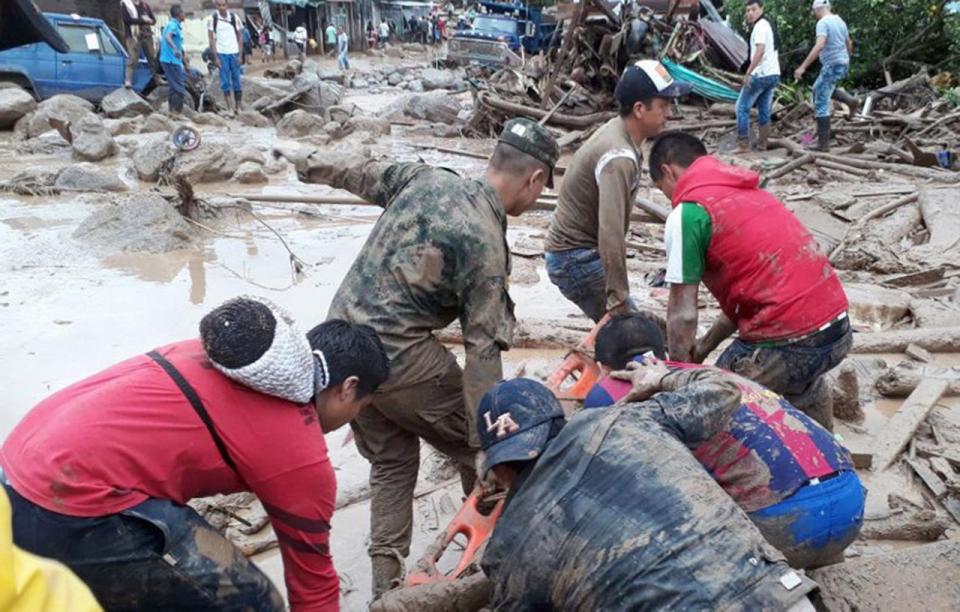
x=194 y=399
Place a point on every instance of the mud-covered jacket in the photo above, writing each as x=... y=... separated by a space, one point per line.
x=618 y=514
x=437 y=254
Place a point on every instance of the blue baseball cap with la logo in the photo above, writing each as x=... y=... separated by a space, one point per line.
x=514 y=421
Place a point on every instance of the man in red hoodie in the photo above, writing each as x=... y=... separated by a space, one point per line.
x=775 y=286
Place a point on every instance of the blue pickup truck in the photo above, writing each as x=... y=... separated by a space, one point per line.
x=497 y=35
x=92 y=68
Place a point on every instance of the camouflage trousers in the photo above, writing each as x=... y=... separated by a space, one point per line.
x=388 y=434
x=155 y=556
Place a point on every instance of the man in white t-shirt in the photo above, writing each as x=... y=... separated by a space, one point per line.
x=224 y=30
x=384 y=33
x=761 y=78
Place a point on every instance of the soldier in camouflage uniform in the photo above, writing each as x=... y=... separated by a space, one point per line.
x=437 y=254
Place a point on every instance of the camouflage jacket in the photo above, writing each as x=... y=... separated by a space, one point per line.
x=438 y=253
x=617 y=514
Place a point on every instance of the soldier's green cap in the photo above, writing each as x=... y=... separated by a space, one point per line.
x=534 y=140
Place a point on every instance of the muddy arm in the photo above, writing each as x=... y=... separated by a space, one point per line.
x=696 y=404
x=373 y=180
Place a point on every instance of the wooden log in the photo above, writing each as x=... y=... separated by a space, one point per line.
x=659 y=211
x=571 y=121
x=790 y=167
x=929 y=478
x=921 y=526
x=561 y=56
x=934 y=339
x=886 y=208
x=918 y=353
x=901 y=427
x=825 y=163
x=462 y=595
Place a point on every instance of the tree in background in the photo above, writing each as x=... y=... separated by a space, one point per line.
x=896 y=36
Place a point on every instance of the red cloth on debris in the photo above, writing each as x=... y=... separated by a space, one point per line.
x=127 y=434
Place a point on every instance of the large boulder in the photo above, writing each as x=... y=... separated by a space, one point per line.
x=89 y=177
x=299 y=123
x=123 y=127
x=876 y=308
x=211 y=119
x=438 y=79
x=437 y=107
x=335 y=76
x=375 y=126
x=63 y=107
x=124 y=102
x=14 y=104
x=92 y=140
x=395 y=79
x=317 y=95
x=152 y=156
x=250 y=172
x=252 y=118
x=157 y=122
x=211 y=162
x=142 y=222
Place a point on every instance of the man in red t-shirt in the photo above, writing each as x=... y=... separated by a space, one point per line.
x=774 y=285
x=99 y=473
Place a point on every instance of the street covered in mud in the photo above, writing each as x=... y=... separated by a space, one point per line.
x=123 y=224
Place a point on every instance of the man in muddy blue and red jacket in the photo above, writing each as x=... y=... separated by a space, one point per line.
x=611 y=511
x=789 y=474
x=774 y=285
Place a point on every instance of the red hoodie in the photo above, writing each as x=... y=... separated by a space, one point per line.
x=762 y=264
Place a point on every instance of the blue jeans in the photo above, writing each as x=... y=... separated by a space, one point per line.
x=176 y=80
x=579 y=275
x=813 y=526
x=795 y=370
x=154 y=556
x=229 y=72
x=342 y=61
x=823 y=87
x=758 y=92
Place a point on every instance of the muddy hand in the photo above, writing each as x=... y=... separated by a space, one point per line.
x=644 y=377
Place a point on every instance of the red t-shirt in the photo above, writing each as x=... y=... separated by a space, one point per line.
x=111 y=441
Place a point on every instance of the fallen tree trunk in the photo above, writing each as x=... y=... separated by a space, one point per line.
x=934 y=339
x=903 y=378
x=578 y=122
x=462 y=595
x=790 y=166
x=922 y=526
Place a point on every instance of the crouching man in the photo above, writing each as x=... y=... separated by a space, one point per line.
x=774 y=285
x=789 y=474
x=611 y=511
x=99 y=473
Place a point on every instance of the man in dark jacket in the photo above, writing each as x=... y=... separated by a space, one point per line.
x=611 y=511
x=138 y=22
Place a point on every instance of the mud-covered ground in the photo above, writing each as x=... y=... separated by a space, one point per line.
x=74 y=302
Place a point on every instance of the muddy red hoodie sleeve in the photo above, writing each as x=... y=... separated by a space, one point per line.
x=300 y=505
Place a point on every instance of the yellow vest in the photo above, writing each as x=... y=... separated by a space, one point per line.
x=32 y=584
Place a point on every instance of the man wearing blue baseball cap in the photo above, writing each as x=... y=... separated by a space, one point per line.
x=586 y=243
x=611 y=511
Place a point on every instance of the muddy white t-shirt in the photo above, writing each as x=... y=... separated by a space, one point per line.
x=763 y=35
x=226 y=31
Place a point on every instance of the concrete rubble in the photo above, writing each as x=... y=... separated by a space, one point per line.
x=900 y=266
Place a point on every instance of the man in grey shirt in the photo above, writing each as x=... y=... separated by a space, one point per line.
x=834 y=48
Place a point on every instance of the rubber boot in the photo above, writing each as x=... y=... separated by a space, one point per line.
x=238 y=98
x=823 y=133
x=228 y=105
x=387 y=574
x=763 y=137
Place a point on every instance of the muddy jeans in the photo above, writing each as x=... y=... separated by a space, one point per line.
x=795 y=370
x=579 y=275
x=388 y=435
x=154 y=556
x=824 y=86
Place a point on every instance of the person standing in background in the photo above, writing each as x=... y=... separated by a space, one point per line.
x=760 y=80
x=226 y=44
x=172 y=59
x=343 y=45
x=834 y=48
x=138 y=22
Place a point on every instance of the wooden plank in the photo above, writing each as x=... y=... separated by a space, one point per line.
x=933 y=482
x=918 y=353
x=900 y=428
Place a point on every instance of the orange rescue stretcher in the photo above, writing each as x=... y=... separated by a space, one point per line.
x=579 y=365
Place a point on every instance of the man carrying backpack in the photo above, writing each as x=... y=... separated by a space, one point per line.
x=224 y=31
x=761 y=78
